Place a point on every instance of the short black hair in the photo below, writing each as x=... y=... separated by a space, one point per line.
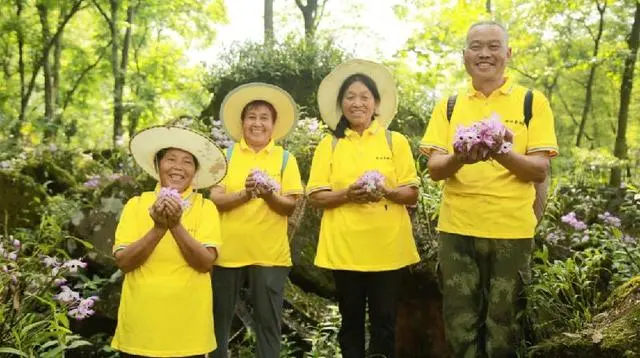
x=343 y=123
x=162 y=152
x=256 y=103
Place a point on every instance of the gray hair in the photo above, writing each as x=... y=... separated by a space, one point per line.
x=489 y=23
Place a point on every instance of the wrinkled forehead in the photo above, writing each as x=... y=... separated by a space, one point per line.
x=487 y=33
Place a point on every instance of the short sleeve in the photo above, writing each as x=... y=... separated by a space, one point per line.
x=403 y=161
x=321 y=166
x=209 y=229
x=291 y=182
x=541 y=135
x=127 y=229
x=436 y=136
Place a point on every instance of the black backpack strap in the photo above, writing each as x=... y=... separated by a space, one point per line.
x=451 y=102
x=528 y=104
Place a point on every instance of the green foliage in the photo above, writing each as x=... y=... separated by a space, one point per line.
x=293 y=65
x=34 y=316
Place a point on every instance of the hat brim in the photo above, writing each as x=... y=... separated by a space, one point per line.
x=212 y=161
x=331 y=110
x=236 y=100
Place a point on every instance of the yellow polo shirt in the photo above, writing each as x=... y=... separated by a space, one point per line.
x=364 y=237
x=252 y=233
x=166 y=306
x=485 y=199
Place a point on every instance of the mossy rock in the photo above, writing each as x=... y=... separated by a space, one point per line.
x=303 y=251
x=613 y=332
x=21 y=200
x=49 y=174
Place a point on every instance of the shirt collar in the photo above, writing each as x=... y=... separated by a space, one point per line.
x=268 y=148
x=505 y=89
x=373 y=129
x=188 y=191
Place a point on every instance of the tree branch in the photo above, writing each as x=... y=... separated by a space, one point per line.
x=104 y=14
x=69 y=94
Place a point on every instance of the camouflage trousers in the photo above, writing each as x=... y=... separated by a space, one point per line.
x=482 y=285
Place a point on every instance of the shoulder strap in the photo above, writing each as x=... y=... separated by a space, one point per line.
x=230 y=152
x=528 y=104
x=451 y=102
x=285 y=159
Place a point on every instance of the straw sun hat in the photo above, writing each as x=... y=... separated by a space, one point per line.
x=211 y=160
x=236 y=100
x=331 y=110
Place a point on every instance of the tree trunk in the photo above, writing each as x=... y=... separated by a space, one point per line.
x=119 y=66
x=620 y=150
x=57 y=54
x=15 y=131
x=43 y=13
x=592 y=74
x=487 y=6
x=311 y=17
x=268 y=22
x=27 y=89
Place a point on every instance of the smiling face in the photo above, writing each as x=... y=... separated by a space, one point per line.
x=258 y=120
x=176 y=169
x=358 y=105
x=487 y=53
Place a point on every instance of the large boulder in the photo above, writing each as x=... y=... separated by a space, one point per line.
x=613 y=332
x=21 y=200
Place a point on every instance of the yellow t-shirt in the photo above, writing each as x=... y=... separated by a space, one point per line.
x=485 y=199
x=364 y=237
x=252 y=233
x=166 y=307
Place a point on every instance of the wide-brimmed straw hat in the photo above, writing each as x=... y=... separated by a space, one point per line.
x=236 y=100
x=331 y=110
x=212 y=164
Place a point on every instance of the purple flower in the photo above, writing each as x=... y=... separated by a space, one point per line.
x=73 y=265
x=67 y=295
x=50 y=261
x=371 y=180
x=485 y=133
x=554 y=236
x=628 y=239
x=59 y=281
x=263 y=179
x=571 y=220
x=13 y=256
x=93 y=182
x=466 y=138
x=5 y=268
x=171 y=192
x=16 y=243
x=83 y=310
x=609 y=219
x=14 y=278
x=115 y=176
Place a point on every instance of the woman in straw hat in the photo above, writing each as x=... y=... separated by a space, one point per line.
x=166 y=245
x=363 y=176
x=259 y=192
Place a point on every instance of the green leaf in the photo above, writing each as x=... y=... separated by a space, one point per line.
x=13 y=351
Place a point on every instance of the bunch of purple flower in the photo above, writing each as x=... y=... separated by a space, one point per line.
x=371 y=180
x=263 y=179
x=171 y=192
x=486 y=134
